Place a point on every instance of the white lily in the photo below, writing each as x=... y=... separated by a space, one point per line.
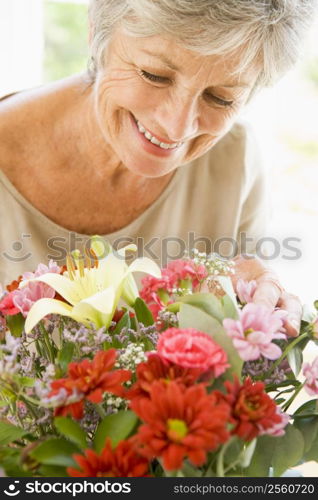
x=92 y=292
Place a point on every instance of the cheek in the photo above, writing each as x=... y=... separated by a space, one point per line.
x=219 y=121
x=123 y=90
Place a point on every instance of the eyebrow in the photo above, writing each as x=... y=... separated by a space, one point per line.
x=163 y=58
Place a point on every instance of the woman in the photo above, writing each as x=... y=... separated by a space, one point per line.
x=145 y=146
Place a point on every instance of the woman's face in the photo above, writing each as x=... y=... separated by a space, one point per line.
x=160 y=105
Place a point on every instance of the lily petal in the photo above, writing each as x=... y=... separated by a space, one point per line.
x=98 y=308
x=144 y=265
x=42 y=308
x=67 y=288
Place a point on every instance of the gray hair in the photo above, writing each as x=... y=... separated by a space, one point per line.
x=268 y=31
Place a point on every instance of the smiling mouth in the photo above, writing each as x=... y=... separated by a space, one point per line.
x=154 y=140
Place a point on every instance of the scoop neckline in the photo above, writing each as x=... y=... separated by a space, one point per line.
x=47 y=221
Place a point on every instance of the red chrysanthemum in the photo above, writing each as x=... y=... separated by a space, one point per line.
x=123 y=461
x=253 y=411
x=180 y=423
x=90 y=379
x=156 y=368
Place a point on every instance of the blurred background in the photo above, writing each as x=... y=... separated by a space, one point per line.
x=45 y=40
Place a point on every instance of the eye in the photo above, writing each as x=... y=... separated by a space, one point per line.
x=153 y=78
x=218 y=100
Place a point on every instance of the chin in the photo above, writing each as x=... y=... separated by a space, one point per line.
x=148 y=169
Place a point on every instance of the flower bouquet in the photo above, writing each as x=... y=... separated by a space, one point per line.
x=186 y=377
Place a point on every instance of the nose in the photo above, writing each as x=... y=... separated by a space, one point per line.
x=178 y=118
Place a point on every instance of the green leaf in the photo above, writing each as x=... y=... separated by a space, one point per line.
x=9 y=433
x=190 y=471
x=56 y=451
x=192 y=317
x=24 y=381
x=16 y=324
x=207 y=302
x=52 y=471
x=288 y=451
x=309 y=429
x=65 y=355
x=308 y=408
x=229 y=309
x=117 y=426
x=124 y=322
x=262 y=457
x=71 y=430
x=312 y=453
x=143 y=313
x=295 y=360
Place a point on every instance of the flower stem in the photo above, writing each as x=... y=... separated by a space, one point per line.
x=100 y=410
x=293 y=397
x=47 y=343
x=286 y=351
x=220 y=458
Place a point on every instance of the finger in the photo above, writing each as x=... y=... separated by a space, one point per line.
x=267 y=294
x=292 y=305
x=247 y=268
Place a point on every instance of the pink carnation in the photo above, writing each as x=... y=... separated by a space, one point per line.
x=152 y=285
x=187 y=270
x=310 y=371
x=156 y=292
x=253 y=333
x=24 y=298
x=278 y=428
x=190 y=348
x=245 y=290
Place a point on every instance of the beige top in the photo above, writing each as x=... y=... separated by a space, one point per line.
x=208 y=203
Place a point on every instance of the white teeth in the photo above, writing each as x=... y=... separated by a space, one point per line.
x=148 y=135
x=154 y=140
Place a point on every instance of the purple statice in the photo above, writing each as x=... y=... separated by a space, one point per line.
x=258 y=368
x=11 y=348
x=27 y=364
x=90 y=419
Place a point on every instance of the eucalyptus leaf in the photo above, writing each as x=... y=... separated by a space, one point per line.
x=288 y=451
x=308 y=408
x=262 y=457
x=229 y=309
x=207 y=302
x=116 y=426
x=309 y=429
x=312 y=453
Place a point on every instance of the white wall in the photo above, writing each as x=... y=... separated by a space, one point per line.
x=21 y=44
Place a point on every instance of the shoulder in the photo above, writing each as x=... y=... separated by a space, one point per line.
x=27 y=119
x=237 y=156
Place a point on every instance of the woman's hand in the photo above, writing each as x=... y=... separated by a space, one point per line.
x=269 y=291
